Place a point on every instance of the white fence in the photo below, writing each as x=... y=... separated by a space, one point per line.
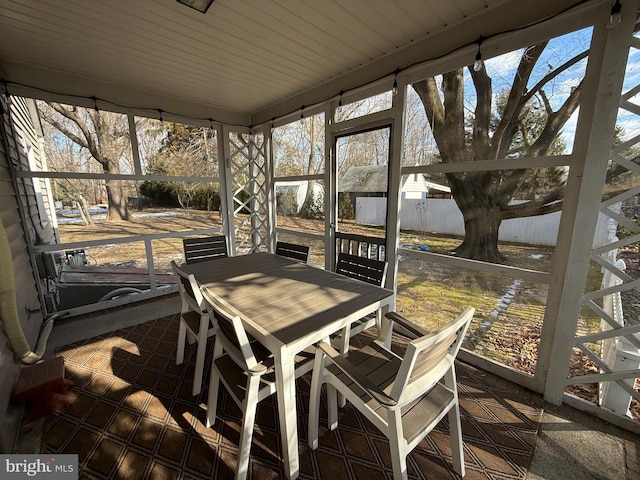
x=442 y=216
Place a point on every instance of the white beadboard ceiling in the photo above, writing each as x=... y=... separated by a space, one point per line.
x=243 y=59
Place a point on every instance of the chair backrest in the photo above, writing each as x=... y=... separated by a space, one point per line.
x=198 y=249
x=428 y=358
x=294 y=251
x=360 y=245
x=366 y=269
x=231 y=332
x=189 y=289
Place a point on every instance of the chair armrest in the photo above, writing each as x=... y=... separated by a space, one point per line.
x=406 y=326
x=258 y=370
x=355 y=375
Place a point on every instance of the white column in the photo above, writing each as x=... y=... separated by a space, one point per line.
x=594 y=136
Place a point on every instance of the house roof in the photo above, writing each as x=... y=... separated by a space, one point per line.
x=373 y=178
x=370 y=178
x=243 y=62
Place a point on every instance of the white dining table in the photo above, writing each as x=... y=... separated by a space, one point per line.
x=288 y=306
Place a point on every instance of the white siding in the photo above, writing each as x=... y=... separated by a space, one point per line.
x=18 y=136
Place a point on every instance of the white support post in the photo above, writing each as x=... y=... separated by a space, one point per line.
x=395 y=177
x=270 y=187
x=226 y=188
x=594 y=136
x=330 y=195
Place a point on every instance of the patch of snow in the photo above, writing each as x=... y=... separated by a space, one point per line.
x=505 y=301
x=168 y=213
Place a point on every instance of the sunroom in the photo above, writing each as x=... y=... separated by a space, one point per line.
x=485 y=149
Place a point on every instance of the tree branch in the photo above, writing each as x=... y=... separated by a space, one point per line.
x=446 y=118
x=503 y=135
x=62 y=129
x=555 y=122
x=89 y=142
x=428 y=93
x=554 y=73
x=552 y=202
x=482 y=123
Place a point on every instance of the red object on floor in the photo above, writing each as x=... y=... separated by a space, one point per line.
x=43 y=387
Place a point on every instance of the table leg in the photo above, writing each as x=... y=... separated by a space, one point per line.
x=386 y=328
x=286 y=393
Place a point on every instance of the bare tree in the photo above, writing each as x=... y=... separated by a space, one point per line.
x=104 y=136
x=184 y=151
x=299 y=150
x=484 y=197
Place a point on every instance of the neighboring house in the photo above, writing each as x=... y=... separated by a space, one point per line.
x=417 y=187
x=371 y=181
x=299 y=189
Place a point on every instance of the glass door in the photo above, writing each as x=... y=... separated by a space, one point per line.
x=361 y=169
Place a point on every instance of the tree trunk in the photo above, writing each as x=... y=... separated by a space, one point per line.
x=480 y=242
x=118 y=208
x=81 y=211
x=83 y=208
x=478 y=197
x=308 y=207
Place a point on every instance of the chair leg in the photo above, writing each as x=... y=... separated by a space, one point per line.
x=455 y=432
x=182 y=337
x=332 y=407
x=344 y=348
x=314 y=399
x=212 y=402
x=191 y=338
x=344 y=339
x=214 y=386
x=397 y=446
x=200 y=354
x=246 y=433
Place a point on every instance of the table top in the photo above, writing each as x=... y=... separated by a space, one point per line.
x=284 y=299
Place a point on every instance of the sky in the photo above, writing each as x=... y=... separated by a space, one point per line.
x=559 y=50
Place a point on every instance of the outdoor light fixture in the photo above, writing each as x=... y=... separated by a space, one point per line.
x=200 y=5
x=616 y=16
x=478 y=64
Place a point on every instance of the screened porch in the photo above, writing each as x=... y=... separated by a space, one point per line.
x=486 y=149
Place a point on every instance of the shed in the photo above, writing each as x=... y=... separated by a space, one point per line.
x=371 y=181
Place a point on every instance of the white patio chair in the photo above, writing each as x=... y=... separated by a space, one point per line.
x=404 y=397
x=294 y=251
x=246 y=368
x=196 y=325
